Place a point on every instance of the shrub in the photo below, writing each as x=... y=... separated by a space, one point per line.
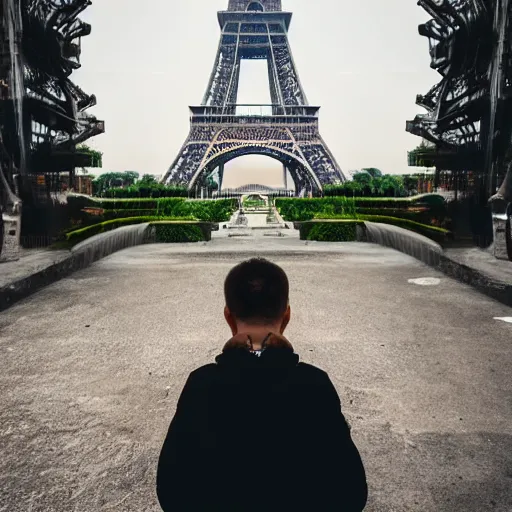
x=426 y=200
x=329 y=231
x=294 y=209
x=119 y=214
x=140 y=204
x=78 y=203
x=440 y=235
x=219 y=210
x=254 y=204
x=417 y=215
x=424 y=207
x=145 y=189
x=79 y=235
x=178 y=233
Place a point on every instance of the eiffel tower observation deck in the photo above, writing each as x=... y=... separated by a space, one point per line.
x=286 y=129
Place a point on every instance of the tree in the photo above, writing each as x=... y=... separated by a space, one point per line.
x=410 y=184
x=364 y=181
x=147 y=179
x=113 y=180
x=363 y=178
x=354 y=188
x=373 y=172
x=129 y=178
x=389 y=186
x=95 y=156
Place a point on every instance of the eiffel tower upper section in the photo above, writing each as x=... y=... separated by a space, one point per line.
x=255 y=30
x=286 y=129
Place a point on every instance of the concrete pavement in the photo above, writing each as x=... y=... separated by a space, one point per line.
x=91 y=369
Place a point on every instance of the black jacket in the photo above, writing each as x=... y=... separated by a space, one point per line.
x=258 y=434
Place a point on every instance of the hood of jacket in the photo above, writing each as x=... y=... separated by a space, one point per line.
x=278 y=353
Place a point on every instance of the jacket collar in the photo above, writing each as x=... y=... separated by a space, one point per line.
x=278 y=353
x=269 y=358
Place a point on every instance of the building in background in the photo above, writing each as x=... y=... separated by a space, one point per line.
x=468 y=124
x=43 y=114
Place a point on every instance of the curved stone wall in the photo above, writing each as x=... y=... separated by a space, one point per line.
x=105 y=244
x=403 y=240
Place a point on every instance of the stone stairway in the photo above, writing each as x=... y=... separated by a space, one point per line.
x=257 y=223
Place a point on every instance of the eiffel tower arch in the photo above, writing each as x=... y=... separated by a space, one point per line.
x=286 y=130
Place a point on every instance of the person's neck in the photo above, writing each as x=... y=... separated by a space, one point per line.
x=257 y=333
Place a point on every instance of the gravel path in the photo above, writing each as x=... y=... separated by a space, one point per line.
x=92 y=366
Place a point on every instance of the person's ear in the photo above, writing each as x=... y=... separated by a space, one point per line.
x=230 y=320
x=286 y=319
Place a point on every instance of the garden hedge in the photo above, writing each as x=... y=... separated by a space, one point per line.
x=337 y=231
x=166 y=232
x=295 y=209
x=120 y=214
x=345 y=229
x=146 y=190
x=439 y=235
x=80 y=202
x=423 y=217
x=428 y=200
x=219 y=210
x=79 y=235
x=424 y=207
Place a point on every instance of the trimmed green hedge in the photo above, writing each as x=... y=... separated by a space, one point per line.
x=120 y=214
x=429 y=200
x=219 y=210
x=77 y=202
x=418 y=216
x=297 y=210
x=178 y=233
x=344 y=229
x=329 y=231
x=146 y=190
x=79 y=235
x=439 y=235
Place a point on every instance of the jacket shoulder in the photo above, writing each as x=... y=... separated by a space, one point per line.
x=313 y=372
x=203 y=372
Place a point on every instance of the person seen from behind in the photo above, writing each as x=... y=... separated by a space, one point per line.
x=258 y=430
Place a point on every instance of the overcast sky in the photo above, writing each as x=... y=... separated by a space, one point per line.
x=362 y=61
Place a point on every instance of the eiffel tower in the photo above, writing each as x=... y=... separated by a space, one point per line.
x=286 y=129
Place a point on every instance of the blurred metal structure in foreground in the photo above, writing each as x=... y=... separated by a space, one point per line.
x=286 y=129
x=42 y=112
x=469 y=112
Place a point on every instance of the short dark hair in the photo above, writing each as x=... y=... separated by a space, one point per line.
x=257 y=290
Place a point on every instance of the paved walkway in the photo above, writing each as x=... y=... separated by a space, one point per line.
x=91 y=369
x=484 y=261
x=257 y=220
x=31 y=261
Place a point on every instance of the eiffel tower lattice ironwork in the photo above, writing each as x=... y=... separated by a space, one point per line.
x=286 y=130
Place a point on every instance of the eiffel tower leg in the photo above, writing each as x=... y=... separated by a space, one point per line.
x=290 y=89
x=321 y=161
x=221 y=176
x=223 y=85
x=301 y=179
x=186 y=164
